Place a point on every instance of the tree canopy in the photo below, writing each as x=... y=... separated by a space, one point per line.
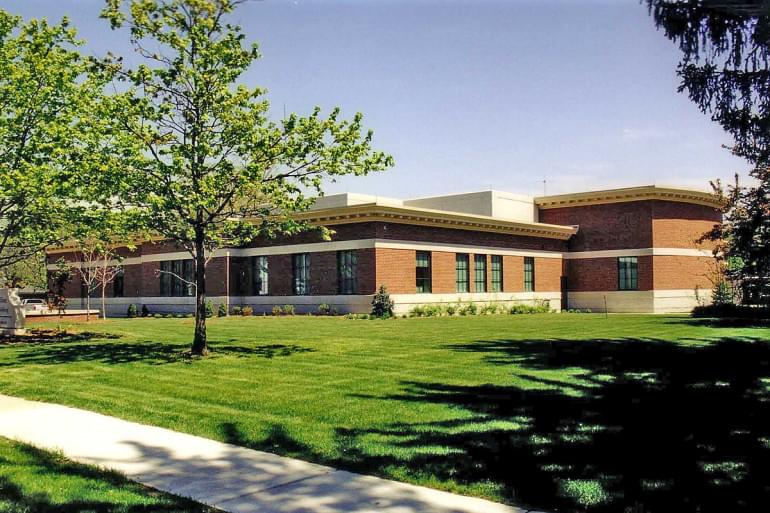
x=47 y=90
x=200 y=155
x=725 y=70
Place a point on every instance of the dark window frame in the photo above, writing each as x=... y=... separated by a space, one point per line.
x=529 y=274
x=173 y=286
x=423 y=273
x=496 y=271
x=479 y=273
x=119 y=283
x=628 y=273
x=347 y=269
x=260 y=276
x=462 y=273
x=300 y=273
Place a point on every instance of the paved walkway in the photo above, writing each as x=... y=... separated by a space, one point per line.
x=228 y=477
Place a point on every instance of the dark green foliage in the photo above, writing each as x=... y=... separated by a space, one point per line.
x=288 y=310
x=722 y=293
x=730 y=311
x=725 y=70
x=145 y=311
x=324 y=309
x=382 y=305
x=209 y=308
x=222 y=310
x=237 y=310
x=131 y=313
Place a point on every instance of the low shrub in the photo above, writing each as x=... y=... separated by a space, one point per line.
x=236 y=310
x=131 y=311
x=324 y=309
x=417 y=311
x=209 y=308
x=157 y=315
x=490 y=309
x=382 y=305
x=145 y=311
x=277 y=310
x=288 y=310
x=731 y=311
x=222 y=310
x=529 y=309
x=247 y=311
x=469 y=309
x=450 y=310
x=432 y=310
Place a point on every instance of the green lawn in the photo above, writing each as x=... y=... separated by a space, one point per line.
x=568 y=412
x=35 y=481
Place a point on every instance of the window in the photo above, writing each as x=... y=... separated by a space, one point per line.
x=529 y=274
x=346 y=272
x=461 y=272
x=118 y=283
x=627 y=273
x=479 y=273
x=497 y=273
x=424 y=273
x=259 y=276
x=300 y=266
x=177 y=278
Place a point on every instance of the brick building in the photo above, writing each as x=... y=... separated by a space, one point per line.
x=626 y=250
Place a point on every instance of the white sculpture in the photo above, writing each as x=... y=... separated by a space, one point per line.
x=11 y=313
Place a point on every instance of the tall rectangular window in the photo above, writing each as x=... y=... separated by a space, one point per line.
x=259 y=276
x=177 y=278
x=479 y=273
x=300 y=267
x=497 y=273
x=627 y=273
x=423 y=272
x=462 y=281
x=118 y=283
x=529 y=274
x=346 y=272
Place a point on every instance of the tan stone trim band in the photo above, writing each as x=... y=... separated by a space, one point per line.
x=615 y=253
x=644 y=193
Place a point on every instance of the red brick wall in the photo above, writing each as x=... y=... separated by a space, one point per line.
x=680 y=225
x=611 y=226
x=395 y=268
x=513 y=273
x=395 y=231
x=547 y=275
x=683 y=272
x=323 y=273
x=279 y=275
x=601 y=274
x=366 y=271
x=443 y=272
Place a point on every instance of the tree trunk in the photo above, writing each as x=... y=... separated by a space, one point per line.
x=104 y=300
x=88 y=304
x=200 y=345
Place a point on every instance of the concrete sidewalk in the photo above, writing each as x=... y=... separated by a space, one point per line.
x=225 y=476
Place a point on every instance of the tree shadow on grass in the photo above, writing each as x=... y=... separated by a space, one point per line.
x=54 y=472
x=148 y=352
x=45 y=336
x=649 y=426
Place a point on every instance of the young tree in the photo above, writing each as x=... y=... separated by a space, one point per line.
x=97 y=266
x=725 y=70
x=45 y=94
x=206 y=164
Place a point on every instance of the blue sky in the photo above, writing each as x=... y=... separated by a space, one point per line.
x=476 y=94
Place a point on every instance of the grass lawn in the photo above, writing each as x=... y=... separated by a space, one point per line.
x=35 y=481
x=568 y=412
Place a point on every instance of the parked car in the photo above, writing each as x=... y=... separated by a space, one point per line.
x=34 y=305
